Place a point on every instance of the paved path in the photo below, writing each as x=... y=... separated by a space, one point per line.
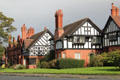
x=6 y=77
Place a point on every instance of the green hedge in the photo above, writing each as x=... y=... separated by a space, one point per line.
x=69 y=63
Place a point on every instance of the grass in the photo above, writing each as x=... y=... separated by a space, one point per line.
x=88 y=70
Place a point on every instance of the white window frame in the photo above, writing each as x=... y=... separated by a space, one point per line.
x=63 y=55
x=77 y=56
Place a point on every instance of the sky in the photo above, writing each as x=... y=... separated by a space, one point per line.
x=40 y=13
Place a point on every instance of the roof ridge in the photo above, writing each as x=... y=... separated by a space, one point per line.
x=76 y=21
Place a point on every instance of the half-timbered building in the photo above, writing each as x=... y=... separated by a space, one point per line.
x=29 y=49
x=111 y=31
x=36 y=47
x=77 y=40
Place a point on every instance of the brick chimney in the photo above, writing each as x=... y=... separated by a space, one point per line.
x=30 y=32
x=59 y=24
x=9 y=40
x=114 y=10
x=14 y=41
x=24 y=32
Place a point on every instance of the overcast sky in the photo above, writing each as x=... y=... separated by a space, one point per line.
x=40 y=13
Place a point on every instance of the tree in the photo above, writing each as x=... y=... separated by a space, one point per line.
x=6 y=27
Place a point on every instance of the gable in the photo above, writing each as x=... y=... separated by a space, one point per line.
x=71 y=28
x=87 y=29
x=43 y=40
x=41 y=46
x=111 y=26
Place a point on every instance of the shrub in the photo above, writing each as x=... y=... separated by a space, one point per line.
x=112 y=58
x=48 y=57
x=97 y=60
x=3 y=66
x=52 y=63
x=44 y=64
x=19 y=66
x=38 y=64
x=69 y=63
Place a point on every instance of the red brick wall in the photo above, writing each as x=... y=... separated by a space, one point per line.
x=37 y=60
x=84 y=54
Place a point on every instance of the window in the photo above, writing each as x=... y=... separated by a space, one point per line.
x=70 y=39
x=87 y=39
x=79 y=39
x=77 y=55
x=119 y=34
x=63 y=55
x=82 y=39
x=32 y=61
x=96 y=40
x=112 y=36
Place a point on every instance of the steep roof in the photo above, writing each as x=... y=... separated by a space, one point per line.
x=70 y=28
x=29 y=42
x=116 y=19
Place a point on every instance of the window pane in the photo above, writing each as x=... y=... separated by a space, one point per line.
x=77 y=55
x=32 y=61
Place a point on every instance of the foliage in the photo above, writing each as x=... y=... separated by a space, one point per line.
x=97 y=60
x=19 y=66
x=2 y=50
x=44 y=64
x=3 y=66
x=50 y=56
x=69 y=63
x=112 y=58
x=5 y=26
x=39 y=64
x=84 y=71
x=53 y=63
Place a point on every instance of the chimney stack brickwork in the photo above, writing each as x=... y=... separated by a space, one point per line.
x=114 y=10
x=59 y=24
x=26 y=33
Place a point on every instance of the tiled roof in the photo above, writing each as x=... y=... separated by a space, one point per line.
x=117 y=20
x=29 y=42
x=69 y=29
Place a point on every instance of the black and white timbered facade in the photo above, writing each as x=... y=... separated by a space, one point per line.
x=112 y=32
x=38 y=44
x=83 y=34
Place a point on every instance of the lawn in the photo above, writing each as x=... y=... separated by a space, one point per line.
x=88 y=70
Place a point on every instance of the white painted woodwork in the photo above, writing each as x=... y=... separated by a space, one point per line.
x=42 y=46
x=24 y=62
x=111 y=38
x=64 y=55
x=65 y=43
x=69 y=44
x=79 y=38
